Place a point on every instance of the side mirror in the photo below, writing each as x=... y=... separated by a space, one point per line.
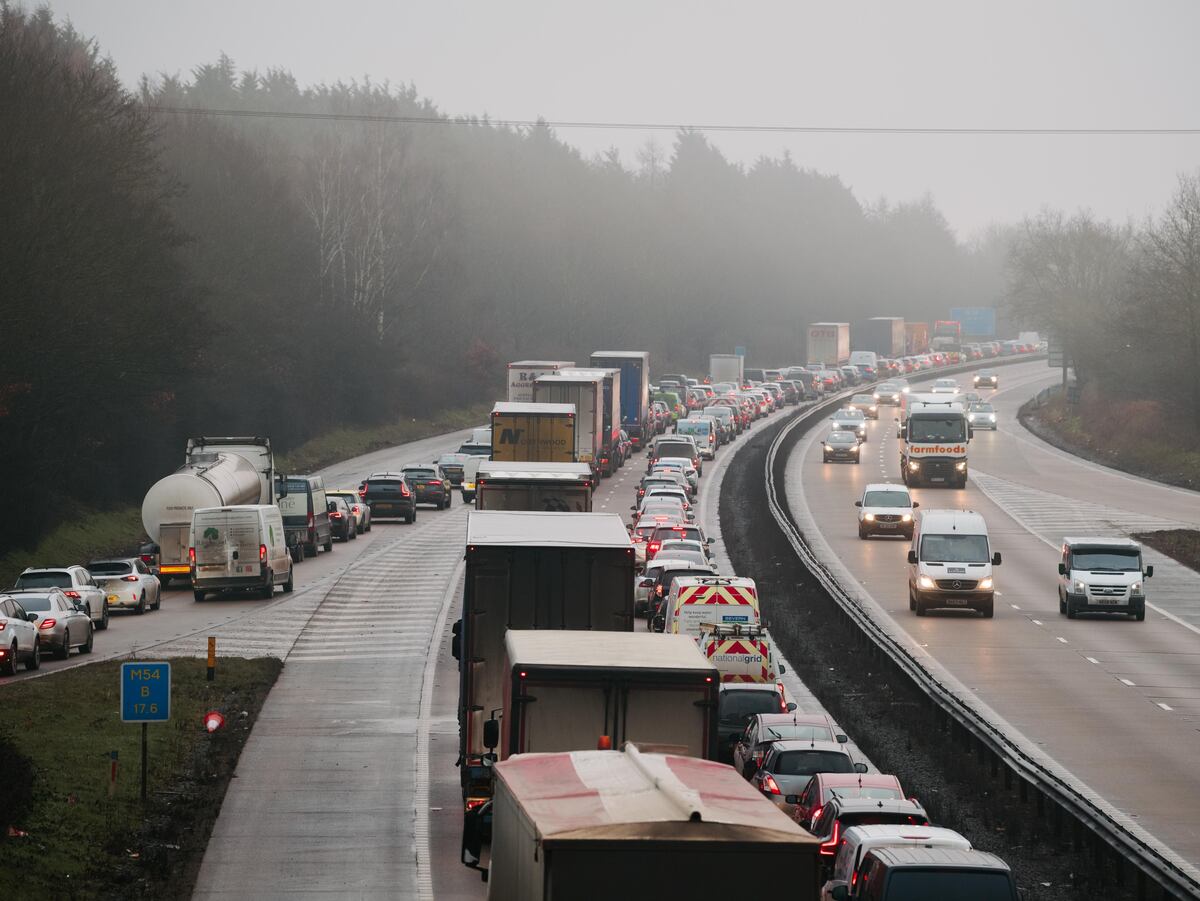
x=860 y=767
x=711 y=540
x=1062 y=569
x=791 y=799
x=782 y=669
x=791 y=706
x=858 y=503
x=912 y=557
x=840 y=893
x=996 y=561
x=491 y=734
x=1149 y=572
x=841 y=739
x=31 y=617
x=646 y=583
x=916 y=504
x=634 y=508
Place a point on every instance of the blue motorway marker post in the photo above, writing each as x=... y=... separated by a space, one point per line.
x=145 y=699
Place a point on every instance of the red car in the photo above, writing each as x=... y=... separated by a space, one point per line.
x=824 y=786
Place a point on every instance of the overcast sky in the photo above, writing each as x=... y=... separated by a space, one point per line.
x=956 y=63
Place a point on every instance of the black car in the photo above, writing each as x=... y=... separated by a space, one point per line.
x=429 y=484
x=341 y=519
x=388 y=495
x=738 y=705
x=840 y=444
x=452 y=465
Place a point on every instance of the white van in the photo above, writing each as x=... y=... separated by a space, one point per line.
x=704 y=431
x=858 y=840
x=865 y=358
x=1103 y=575
x=696 y=600
x=950 y=563
x=241 y=547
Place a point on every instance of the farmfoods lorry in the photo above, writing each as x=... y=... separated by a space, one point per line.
x=216 y=472
x=933 y=441
x=528 y=571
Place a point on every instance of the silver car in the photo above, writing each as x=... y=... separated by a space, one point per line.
x=127 y=583
x=789 y=765
x=62 y=624
x=982 y=416
x=18 y=637
x=77 y=584
x=848 y=420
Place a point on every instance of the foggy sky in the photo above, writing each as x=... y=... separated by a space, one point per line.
x=895 y=64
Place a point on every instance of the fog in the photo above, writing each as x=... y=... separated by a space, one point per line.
x=878 y=64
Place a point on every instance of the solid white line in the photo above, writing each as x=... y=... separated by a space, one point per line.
x=1128 y=682
x=1014 y=606
x=1164 y=706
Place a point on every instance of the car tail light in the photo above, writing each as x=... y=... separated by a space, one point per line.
x=404 y=492
x=192 y=556
x=476 y=803
x=770 y=786
x=782 y=697
x=73 y=595
x=262 y=553
x=812 y=817
x=335 y=515
x=3 y=626
x=362 y=492
x=356 y=508
x=129 y=578
x=311 y=521
x=48 y=624
x=829 y=848
x=652 y=548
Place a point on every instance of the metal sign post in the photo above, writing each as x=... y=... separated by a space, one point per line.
x=145 y=699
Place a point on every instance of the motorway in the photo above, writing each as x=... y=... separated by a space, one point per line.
x=1112 y=702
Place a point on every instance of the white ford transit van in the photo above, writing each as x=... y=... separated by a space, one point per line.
x=950 y=563
x=241 y=547
x=1104 y=575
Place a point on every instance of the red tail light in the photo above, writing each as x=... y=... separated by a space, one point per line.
x=652 y=548
x=73 y=595
x=311 y=521
x=829 y=848
x=812 y=817
x=3 y=626
x=129 y=578
x=362 y=492
x=48 y=624
x=404 y=492
x=782 y=697
x=147 y=558
x=476 y=803
x=772 y=787
x=335 y=515
x=262 y=553
x=192 y=556
x=356 y=508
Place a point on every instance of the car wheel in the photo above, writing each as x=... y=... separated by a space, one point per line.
x=140 y=609
x=862 y=533
x=290 y=583
x=912 y=602
x=329 y=543
x=368 y=528
x=9 y=667
x=65 y=651
x=86 y=647
x=35 y=661
x=103 y=624
x=199 y=595
x=268 y=590
x=353 y=534
x=1140 y=615
x=1062 y=605
x=1070 y=609
x=919 y=606
x=310 y=550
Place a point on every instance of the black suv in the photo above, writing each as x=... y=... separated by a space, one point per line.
x=388 y=495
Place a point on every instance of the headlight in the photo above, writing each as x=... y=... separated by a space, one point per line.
x=869 y=517
x=1078 y=586
x=907 y=517
x=874 y=408
x=855 y=448
x=876 y=396
x=992 y=417
x=926 y=582
x=986 y=583
x=1135 y=588
x=961 y=466
x=913 y=465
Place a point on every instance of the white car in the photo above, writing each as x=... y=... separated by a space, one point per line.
x=982 y=416
x=127 y=583
x=18 y=637
x=944 y=386
x=885 y=509
x=76 y=583
x=688 y=545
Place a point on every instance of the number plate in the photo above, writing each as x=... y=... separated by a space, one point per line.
x=382 y=507
x=1109 y=602
x=887 y=525
x=956 y=602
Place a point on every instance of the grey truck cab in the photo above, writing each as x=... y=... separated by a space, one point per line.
x=1104 y=575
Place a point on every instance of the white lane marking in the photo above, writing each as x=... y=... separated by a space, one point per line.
x=1092 y=660
x=1036 y=622
x=1164 y=706
x=1014 y=606
x=1060 y=638
x=1128 y=682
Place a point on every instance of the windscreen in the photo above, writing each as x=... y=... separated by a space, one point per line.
x=739 y=706
x=908 y=884
x=880 y=818
x=808 y=763
x=34 y=604
x=871 y=793
x=954 y=549
x=805 y=731
x=44 y=580
x=929 y=429
x=675 y=449
x=1107 y=560
x=110 y=568
x=887 y=499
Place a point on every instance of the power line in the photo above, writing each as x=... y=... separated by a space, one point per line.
x=663 y=126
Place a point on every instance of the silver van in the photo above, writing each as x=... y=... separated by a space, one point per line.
x=950 y=563
x=240 y=547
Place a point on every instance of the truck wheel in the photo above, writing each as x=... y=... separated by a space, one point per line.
x=1140 y=615
x=296 y=553
x=1070 y=609
x=919 y=607
x=1062 y=605
x=329 y=542
x=310 y=550
x=912 y=603
x=199 y=595
x=988 y=611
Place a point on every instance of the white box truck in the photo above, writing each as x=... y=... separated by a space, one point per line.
x=829 y=343
x=523 y=373
x=610 y=416
x=587 y=394
x=726 y=368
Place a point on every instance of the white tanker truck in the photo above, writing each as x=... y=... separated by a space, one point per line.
x=217 y=472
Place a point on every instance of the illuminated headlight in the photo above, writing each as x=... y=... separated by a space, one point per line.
x=862 y=430
x=907 y=517
x=992 y=417
x=913 y=465
x=874 y=408
x=869 y=517
x=926 y=582
x=1135 y=588
x=986 y=583
x=962 y=466
x=905 y=389
x=970 y=417
x=856 y=448
x=1078 y=586
x=876 y=396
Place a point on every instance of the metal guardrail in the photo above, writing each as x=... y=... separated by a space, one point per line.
x=1170 y=874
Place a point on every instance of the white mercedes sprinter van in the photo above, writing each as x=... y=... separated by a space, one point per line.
x=950 y=563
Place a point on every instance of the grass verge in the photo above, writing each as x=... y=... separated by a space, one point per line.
x=81 y=843
x=85 y=537
x=343 y=444
x=1181 y=545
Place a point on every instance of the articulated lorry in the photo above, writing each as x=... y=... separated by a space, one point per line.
x=829 y=343
x=528 y=570
x=523 y=373
x=552 y=487
x=947 y=336
x=216 y=472
x=640 y=826
x=610 y=412
x=727 y=368
x=586 y=393
x=883 y=335
x=916 y=338
x=635 y=390
x=539 y=433
x=934 y=434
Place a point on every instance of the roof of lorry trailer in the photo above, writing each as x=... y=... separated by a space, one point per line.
x=604 y=650
x=510 y=407
x=535 y=529
x=494 y=469
x=588 y=796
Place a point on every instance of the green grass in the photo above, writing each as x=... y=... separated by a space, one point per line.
x=1181 y=545
x=342 y=444
x=85 y=537
x=81 y=843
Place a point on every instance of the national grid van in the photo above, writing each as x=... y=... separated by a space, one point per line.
x=696 y=600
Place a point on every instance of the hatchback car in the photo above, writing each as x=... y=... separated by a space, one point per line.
x=839 y=814
x=840 y=445
x=764 y=729
x=341 y=520
x=823 y=787
x=388 y=494
x=360 y=510
x=77 y=584
x=738 y=704
x=683 y=465
x=986 y=378
x=452 y=466
x=866 y=404
x=885 y=509
x=788 y=766
x=127 y=584
x=982 y=416
x=429 y=484
x=888 y=394
x=849 y=420
x=61 y=623
x=944 y=386
x=18 y=637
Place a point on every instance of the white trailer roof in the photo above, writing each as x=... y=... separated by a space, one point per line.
x=587 y=372
x=623 y=354
x=504 y=406
x=554 y=363
x=557 y=378
x=606 y=650
x=582 y=796
x=529 y=529
x=495 y=469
